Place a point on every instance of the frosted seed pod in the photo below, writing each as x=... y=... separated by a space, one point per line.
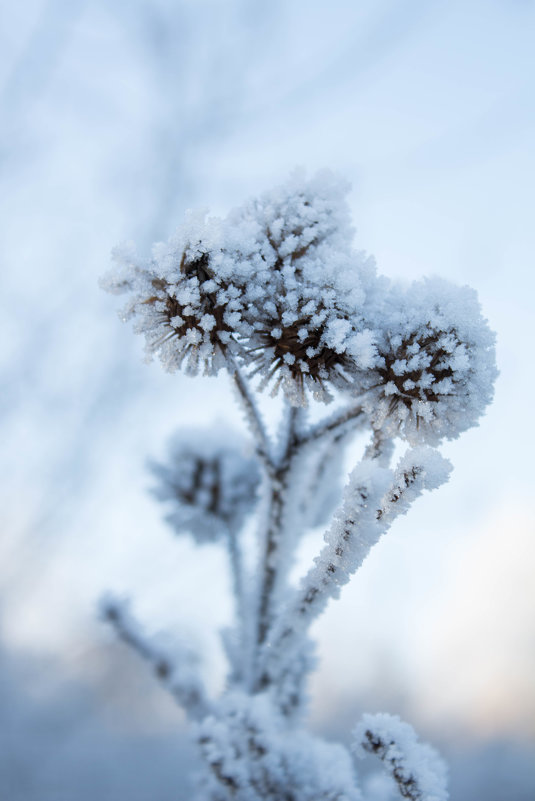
x=304 y=289
x=436 y=370
x=208 y=482
x=179 y=299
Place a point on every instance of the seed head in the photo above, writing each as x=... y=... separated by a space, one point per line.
x=304 y=288
x=188 y=311
x=436 y=367
x=208 y=482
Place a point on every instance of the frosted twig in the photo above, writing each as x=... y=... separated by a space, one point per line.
x=236 y=568
x=380 y=448
x=253 y=418
x=350 y=537
x=241 y=614
x=373 y=498
x=420 y=469
x=181 y=680
x=254 y=756
x=417 y=769
x=323 y=472
x=278 y=486
x=351 y=416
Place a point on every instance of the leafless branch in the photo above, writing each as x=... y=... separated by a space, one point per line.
x=182 y=680
x=254 y=419
x=349 y=417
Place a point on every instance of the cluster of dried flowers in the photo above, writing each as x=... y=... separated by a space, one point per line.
x=277 y=288
x=275 y=294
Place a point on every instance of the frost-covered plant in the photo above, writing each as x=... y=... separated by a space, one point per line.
x=275 y=295
x=209 y=483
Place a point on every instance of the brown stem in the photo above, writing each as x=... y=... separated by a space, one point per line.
x=188 y=692
x=353 y=414
x=380 y=448
x=278 y=494
x=254 y=419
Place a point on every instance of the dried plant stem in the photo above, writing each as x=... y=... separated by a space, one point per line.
x=351 y=417
x=180 y=680
x=278 y=485
x=236 y=569
x=380 y=448
x=254 y=419
x=271 y=569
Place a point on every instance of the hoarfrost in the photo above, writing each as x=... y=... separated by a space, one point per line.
x=417 y=769
x=276 y=294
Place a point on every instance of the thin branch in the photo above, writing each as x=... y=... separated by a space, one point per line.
x=416 y=768
x=420 y=469
x=373 y=498
x=289 y=439
x=182 y=681
x=326 y=470
x=380 y=448
x=353 y=415
x=269 y=572
x=348 y=540
x=236 y=637
x=253 y=417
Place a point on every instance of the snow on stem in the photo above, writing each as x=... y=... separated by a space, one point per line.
x=350 y=417
x=373 y=498
x=253 y=418
x=274 y=530
x=418 y=771
x=179 y=674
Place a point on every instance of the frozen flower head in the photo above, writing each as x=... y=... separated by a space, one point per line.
x=304 y=346
x=182 y=301
x=304 y=286
x=436 y=366
x=208 y=482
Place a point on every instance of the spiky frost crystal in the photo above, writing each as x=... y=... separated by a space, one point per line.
x=415 y=767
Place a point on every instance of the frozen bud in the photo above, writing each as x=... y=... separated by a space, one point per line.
x=179 y=299
x=304 y=285
x=436 y=369
x=319 y=360
x=208 y=482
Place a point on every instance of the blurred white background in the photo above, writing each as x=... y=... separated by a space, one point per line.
x=116 y=117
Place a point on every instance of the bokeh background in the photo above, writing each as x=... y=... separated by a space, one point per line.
x=116 y=117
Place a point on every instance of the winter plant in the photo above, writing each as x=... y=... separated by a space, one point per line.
x=275 y=295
